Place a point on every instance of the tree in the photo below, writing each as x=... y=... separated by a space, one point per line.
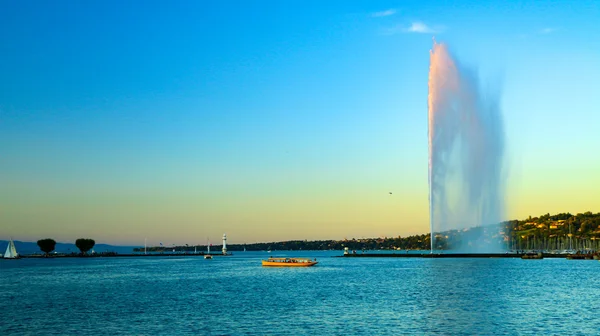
x=84 y=244
x=46 y=245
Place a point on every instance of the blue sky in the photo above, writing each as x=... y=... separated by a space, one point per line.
x=274 y=120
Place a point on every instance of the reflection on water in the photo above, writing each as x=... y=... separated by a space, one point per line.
x=235 y=295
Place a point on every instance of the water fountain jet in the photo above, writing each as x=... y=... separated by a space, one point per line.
x=466 y=151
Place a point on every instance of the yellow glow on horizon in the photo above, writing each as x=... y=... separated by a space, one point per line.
x=313 y=210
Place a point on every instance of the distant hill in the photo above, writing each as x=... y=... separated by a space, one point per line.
x=31 y=247
x=547 y=232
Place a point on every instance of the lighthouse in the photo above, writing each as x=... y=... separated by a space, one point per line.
x=224 y=244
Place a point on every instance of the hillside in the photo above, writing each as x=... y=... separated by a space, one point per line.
x=549 y=232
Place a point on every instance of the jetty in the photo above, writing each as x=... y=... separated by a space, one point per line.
x=465 y=255
x=124 y=255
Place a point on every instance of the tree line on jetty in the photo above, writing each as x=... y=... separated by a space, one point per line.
x=547 y=232
x=83 y=244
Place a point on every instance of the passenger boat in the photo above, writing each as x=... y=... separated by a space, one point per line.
x=289 y=262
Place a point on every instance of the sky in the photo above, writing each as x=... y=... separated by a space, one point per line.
x=277 y=120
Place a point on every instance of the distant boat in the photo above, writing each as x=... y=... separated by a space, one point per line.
x=289 y=262
x=207 y=256
x=533 y=255
x=11 y=251
x=580 y=256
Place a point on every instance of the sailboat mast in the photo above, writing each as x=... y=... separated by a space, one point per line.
x=570 y=238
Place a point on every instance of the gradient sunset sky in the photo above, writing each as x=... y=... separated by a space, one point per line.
x=276 y=120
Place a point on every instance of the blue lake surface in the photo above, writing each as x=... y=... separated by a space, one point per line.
x=235 y=295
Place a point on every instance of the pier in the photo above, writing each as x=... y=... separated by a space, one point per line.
x=115 y=255
x=455 y=255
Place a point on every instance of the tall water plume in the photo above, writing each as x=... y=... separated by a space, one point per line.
x=466 y=150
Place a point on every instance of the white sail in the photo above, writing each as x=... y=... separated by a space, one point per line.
x=8 y=253
x=11 y=251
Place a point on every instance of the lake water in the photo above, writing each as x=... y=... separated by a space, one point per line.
x=236 y=296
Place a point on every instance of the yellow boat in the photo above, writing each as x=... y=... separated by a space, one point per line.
x=289 y=262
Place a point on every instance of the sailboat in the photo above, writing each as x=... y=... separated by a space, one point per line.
x=207 y=255
x=11 y=251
